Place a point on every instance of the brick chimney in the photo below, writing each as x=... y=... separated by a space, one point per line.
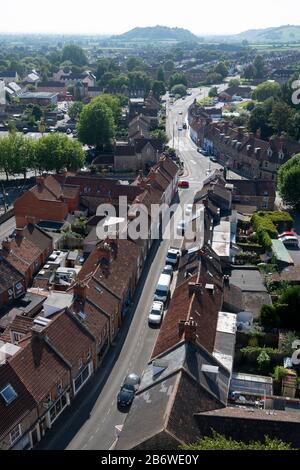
x=80 y=290
x=6 y=244
x=195 y=288
x=188 y=330
x=40 y=181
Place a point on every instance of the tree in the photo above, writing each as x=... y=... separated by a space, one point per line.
x=74 y=54
x=288 y=181
x=75 y=110
x=96 y=124
x=135 y=63
x=177 y=79
x=220 y=442
x=259 y=65
x=160 y=74
x=37 y=112
x=138 y=80
x=158 y=88
x=266 y=90
x=213 y=92
x=221 y=69
x=250 y=72
x=169 y=65
x=179 y=90
x=160 y=134
x=234 y=82
x=213 y=78
x=294 y=126
x=280 y=117
x=259 y=119
x=112 y=102
x=263 y=361
x=56 y=151
x=17 y=154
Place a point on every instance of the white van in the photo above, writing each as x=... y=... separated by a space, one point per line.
x=163 y=288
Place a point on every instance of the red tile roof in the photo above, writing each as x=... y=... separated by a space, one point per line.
x=12 y=414
x=38 y=367
x=203 y=307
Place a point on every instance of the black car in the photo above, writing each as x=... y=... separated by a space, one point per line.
x=128 y=390
x=126 y=395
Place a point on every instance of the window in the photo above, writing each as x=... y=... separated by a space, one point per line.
x=8 y=394
x=15 y=434
x=80 y=363
x=82 y=378
x=16 y=337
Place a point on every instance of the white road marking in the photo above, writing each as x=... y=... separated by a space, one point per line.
x=193 y=162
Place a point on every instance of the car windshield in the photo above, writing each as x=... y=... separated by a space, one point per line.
x=172 y=255
x=155 y=312
x=160 y=293
x=128 y=388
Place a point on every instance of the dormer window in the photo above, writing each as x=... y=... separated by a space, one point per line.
x=270 y=152
x=281 y=155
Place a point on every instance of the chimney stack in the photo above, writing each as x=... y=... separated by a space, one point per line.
x=80 y=290
x=188 y=329
x=40 y=181
x=195 y=288
x=6 y=245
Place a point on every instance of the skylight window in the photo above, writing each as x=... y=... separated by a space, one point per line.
x=8 y=394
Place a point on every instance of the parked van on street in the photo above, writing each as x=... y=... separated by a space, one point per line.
x=163 y=288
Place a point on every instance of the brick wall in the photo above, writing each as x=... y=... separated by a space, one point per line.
x=29 y=209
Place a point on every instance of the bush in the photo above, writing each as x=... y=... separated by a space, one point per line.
x=279 y=373
x=269 y=316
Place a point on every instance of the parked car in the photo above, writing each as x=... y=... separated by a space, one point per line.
x=181 y=227
x=162 y=288
x=128 y=390
x=286 y=234
x=69 y=131
x=183 y=184
x=156 y=313
x=290 y=241
x=199 y=150
x=214 y=159
x=173 y=256
x=184 y=126
x=180 y=113
x=180 y=128
x=168 y=269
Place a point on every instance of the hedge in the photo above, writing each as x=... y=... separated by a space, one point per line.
x=267 y=224
x=250 y=355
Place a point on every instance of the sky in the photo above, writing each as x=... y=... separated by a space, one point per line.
x=118 y=16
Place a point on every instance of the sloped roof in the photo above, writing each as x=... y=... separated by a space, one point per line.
x=12 y=414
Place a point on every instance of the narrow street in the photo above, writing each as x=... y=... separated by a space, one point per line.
x=90 y=423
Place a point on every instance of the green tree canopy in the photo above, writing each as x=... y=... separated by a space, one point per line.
x=161 y=74
x=221 y=69
x=179 y=89
x=158 y=88
x=220 y=442
x=75 y=110
x=266 y=90
x=56 y=151
x=74 y=54
x=288 y=181
x=177 y=79
x=96 y=124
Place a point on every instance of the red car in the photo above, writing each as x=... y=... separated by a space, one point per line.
x=286 y=234
x=183 y=184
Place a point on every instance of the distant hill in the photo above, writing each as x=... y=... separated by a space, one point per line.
x=287 y=33
x=157 y=33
